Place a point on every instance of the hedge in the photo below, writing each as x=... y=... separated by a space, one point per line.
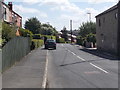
x=36 y=43
x=49 y=37
x=61 y=40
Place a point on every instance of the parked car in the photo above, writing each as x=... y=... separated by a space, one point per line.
x=50 y=43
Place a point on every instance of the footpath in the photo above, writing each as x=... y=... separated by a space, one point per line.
x=28 y=73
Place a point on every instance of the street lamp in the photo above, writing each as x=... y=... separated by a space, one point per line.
x=89 y=16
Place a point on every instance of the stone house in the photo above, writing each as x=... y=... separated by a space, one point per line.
x=108 y=30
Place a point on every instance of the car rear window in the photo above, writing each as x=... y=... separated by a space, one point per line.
x=50 y=40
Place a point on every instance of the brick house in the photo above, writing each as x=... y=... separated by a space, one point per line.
x=108 y=30
x=10 y=17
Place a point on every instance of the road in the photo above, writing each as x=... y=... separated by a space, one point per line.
x=70 y=66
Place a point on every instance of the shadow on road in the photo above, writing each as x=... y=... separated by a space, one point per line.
x=100 y=54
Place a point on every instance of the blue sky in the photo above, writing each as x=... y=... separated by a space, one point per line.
x=59 y=12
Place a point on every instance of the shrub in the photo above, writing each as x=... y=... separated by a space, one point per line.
x=91 y=38
x=37 y=36
x=36 y=43
x=8 y=32
x=26 y=33
x=49 y=37
x=80 y=40
x=61 y=40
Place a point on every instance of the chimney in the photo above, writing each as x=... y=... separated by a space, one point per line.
x=10 y=5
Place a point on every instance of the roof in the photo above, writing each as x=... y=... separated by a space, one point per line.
x=12 y=10
x=109 y=10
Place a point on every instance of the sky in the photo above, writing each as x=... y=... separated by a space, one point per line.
x=58 y=13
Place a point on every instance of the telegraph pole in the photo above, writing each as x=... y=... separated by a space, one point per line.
x=71 y=29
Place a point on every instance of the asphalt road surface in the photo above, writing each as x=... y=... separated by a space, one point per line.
x=70 y=66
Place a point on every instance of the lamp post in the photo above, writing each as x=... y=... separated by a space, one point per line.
x=89 y=16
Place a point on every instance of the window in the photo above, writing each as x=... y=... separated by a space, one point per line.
x=104 y=20
x=99 y=22
x=5 y=14
x=116 y=15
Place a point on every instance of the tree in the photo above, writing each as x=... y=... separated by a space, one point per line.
x=34 y=25
x=87 y=28
x=47 y=29
x=87 y=32
x=64 y=33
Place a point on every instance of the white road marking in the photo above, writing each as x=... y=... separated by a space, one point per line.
x=76 y=55
x=98 y=68
x=73 y=53
x=45 y=73
x=90 y=63
x=81 y=58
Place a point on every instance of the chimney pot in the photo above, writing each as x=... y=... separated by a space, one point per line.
x=10 y=5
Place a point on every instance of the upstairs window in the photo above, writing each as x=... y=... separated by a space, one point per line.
x=99 y=22
x=116 y=15
x=104 y=20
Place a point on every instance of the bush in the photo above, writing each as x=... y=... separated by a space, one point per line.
x=37 y=36
x=80 y=40
x=49 y=37
x=61 y=40
x=91 y=38
x=26 y=33
x=8 y=32
x=36 y=43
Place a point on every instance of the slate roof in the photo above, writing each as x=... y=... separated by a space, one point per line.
x=109 y=10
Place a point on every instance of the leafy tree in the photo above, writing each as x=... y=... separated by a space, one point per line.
x=34 y=25
x=65 y=33
x=87 y=32
x=87 y=28
x=47 y=29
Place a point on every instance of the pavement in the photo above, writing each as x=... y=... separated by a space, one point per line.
x=28 y=73
x=71 y=66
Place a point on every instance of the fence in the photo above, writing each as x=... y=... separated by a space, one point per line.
x=14 y=50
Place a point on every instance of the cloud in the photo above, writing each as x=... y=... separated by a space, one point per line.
x=61 y=1
x=66 y=8
x=101 y=1
x=24 y=10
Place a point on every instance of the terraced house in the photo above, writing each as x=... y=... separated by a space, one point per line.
x=9 y=16
x=108 y=30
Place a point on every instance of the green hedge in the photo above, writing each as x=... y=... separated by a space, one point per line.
x=37 y=36
x=61 y=40
x=37 y=43
x=49 y=37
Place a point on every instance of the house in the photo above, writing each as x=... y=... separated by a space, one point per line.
x=10 y=17
x=108 y=30
x=60 y=34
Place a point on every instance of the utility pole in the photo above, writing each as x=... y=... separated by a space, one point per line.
x=71 y=29
x=89 y=16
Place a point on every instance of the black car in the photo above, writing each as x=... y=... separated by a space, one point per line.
x=50 y=43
